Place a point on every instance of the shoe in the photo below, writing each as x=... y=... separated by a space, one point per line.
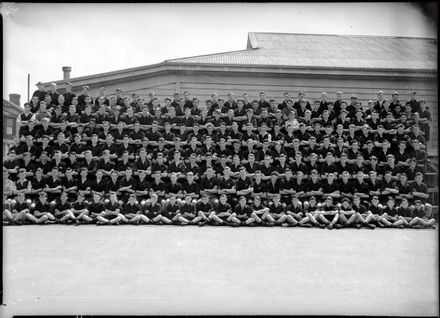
x=284 y=225
x=183 y=224
x=416 y=226
x=358 y=226
x=99 y=223
x=338 y=226
x=77 y=223
x=372 y=226
x=380 y=225
x=330 y=226
x=400 y=226
x=306 y=225
x=322 y=226
x=201 y=223
x=270 y=224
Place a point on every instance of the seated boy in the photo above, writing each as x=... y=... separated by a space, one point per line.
x=20 y=211
x=63 y=210
x=278 y=211
x=223 y=209
x=328 y=213
x=43 y=210
x=421 y=216
x=188 y=208
x=153 y=210
x=133 y=211
x=112 y=211
x=204 y=210
x=347 y=215
x=171 y=211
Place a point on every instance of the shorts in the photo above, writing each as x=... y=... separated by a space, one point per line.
x=223 y=218
x=242 y=217
x=189 y=218
x=169 y=216
x=110 y=217
x=329 y=217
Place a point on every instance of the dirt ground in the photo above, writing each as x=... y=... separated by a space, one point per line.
x=90 y=270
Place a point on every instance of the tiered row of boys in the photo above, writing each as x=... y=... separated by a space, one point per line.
x=238 y=162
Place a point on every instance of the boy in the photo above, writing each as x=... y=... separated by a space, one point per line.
x=43 y=210
x=362 y=211
x=188 y=208
x=80 y=208
x=223 y=209
x=133 y=211
x=20 y=211
x=204 y=210
x=347 y=215
x=153 y=209
x=259 y=209
x=63 y=210
x=405 y=214
x=421 y=216
x=172 y=213
x=295 y=209
x=311 y=213
x=112 y=211
x=328 y=213
x=278 y=212
x=242 y=213
x=367 y=216
x=389 y=215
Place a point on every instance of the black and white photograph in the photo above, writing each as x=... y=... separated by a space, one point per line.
x=220 y=159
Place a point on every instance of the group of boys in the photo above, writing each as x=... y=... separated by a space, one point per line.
x=112 y=160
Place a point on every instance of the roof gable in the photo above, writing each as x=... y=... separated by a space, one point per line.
x=11 y=108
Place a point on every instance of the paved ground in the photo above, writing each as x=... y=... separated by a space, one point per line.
x=212 y=270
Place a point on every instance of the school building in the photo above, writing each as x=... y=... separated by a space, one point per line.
x=11 y=110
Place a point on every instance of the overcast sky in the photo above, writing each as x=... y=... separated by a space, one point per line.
x=92 y=38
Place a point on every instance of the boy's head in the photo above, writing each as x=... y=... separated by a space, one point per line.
x=223 y=198
x=242 y=200
x=43 y=196
x=153 y=198
x=390 y=202
x=113 y=196
x=172 y=198
x=20 y=196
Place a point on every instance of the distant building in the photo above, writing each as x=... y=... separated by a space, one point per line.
x=288 y=62
x=11 y=110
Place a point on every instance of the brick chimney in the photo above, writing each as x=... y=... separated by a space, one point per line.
x=15 y=99
x=66 y=73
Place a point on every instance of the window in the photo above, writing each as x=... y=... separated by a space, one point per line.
x=9 y=126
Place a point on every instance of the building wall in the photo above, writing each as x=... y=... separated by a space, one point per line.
x=9 y=127
x=201 y=85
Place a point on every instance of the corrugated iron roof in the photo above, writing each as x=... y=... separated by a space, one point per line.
x=334 y=51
